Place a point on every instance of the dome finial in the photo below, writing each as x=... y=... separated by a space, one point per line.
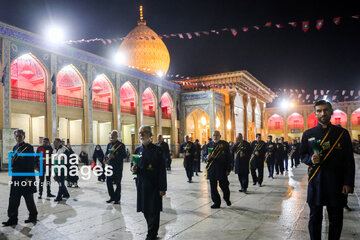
x=141 y=21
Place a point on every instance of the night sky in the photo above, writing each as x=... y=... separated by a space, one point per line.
x=280 y=58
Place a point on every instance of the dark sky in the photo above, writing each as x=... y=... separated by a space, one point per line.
x=286 y=58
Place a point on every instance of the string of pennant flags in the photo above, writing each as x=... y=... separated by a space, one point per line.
x=310 y=96
x=305 y=26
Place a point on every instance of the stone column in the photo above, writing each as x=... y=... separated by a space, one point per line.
x=117 y=106
x=286 y=130
x=348 y=116
x=6 y=113
x=88 y=119
x=174 y=127
x=139 y=111
x=53 y=120
x=232 y=116
x=305 y=115
x=212 y=109
x=245 y=101
x=158 y=108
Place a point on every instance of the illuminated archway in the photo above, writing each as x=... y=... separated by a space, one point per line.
x=198 y=125
x=69 y=85
x=102 y=93
x=28 y=79
x=339 y=118
x=148 y=101
x=127 y=98
x=276 y=122
x=295 y=121
x=355 y=117
x=166 y=105
x=312 y=120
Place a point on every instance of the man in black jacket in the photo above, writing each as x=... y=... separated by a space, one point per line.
x=151 y=182
x=22 y=185
x=327 y=150
x=270 y=156
x=218 y=168
x=115 y=154
x=257 y=160
x=241 y=154
x=165 y=150
x=188 y=149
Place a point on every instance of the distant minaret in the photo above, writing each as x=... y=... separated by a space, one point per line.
x=141 y=21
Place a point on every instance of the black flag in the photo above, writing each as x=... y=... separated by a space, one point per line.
x=53 y=80
x=3 y=76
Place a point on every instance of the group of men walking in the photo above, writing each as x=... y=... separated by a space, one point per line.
x=326 y=149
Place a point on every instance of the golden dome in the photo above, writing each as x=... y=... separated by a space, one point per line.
x=144 y=50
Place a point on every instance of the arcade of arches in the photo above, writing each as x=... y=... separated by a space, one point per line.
x=298 y=120
x=31 y=106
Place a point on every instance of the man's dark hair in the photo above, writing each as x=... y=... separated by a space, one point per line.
x=258 y=134
x=46 y=139
x=58 y=140
x=270 y=136
x=209 y=139
x=323 y=102
x=19 y=131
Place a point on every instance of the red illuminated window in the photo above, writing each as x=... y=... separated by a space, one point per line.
x=127 y=99
x=102 y=94
x=27 y=79
x=69 y=87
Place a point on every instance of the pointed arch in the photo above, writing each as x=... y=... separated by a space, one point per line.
x=28 y=78
x=198 y=125
x=128 y=96
x=276 y=122
x=355 y=117
x=166 y=106
x=295 y=121
x=70 y=87
x=339 y=118
x=312 y=120
x=149 y=102
x=102 y=93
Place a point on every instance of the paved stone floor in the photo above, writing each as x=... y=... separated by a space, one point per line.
x=275 y=211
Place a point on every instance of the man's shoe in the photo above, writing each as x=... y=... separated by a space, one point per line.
x=347 y=208
x=117 y=202
x=66 y=196
x=245 y=191
x=260 y=185
x=76 y=185
x=57 y=199
x=241 y=190
x=197 y=174
x=215 y=206
x=254 y=183
x=109 y=201
x=228 y=202
x=10 y=222
x=31 y=220
x=50 y=195
x=39 y=197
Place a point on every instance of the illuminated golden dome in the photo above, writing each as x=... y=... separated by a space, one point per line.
x=144 y=50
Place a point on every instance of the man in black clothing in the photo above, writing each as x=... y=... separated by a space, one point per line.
x=327 y=150
x=188 y=149
x=279 y=156
x=22 y=185
x=270 y=156
x=218 y=168
x=241 y=154
x=151 y=182
x=257 y=160
x=295 y=153
x=165 y=150
x=285 y=153
x=46 y=150
x=197 y=157
x=115 y=154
